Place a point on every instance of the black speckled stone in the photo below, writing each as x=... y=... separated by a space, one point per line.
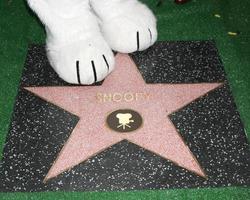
x=210 y=126
x=181 y=62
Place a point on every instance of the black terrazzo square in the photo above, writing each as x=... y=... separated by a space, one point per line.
x=210 y=126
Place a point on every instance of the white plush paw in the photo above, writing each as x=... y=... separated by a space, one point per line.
x=83 y=62
x=133 y=29
x=75 y=47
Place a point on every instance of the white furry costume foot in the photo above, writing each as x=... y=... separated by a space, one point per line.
x=127 y=25
x=76 y=48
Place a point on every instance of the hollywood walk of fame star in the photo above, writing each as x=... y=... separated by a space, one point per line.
x=91 y=135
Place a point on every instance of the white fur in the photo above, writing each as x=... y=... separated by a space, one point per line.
x=120 y=22
x=73 y=35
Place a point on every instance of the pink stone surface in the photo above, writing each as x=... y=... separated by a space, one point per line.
x=157 y=134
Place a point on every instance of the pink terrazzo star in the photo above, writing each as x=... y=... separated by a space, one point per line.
x=91 y=135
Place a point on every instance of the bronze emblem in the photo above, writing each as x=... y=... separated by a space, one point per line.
x=124 y=120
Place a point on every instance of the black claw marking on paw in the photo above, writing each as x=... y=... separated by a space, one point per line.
x=138 y=40
x=150 y=33
x=78 y=72
x=106 y=61
x=94 y=71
